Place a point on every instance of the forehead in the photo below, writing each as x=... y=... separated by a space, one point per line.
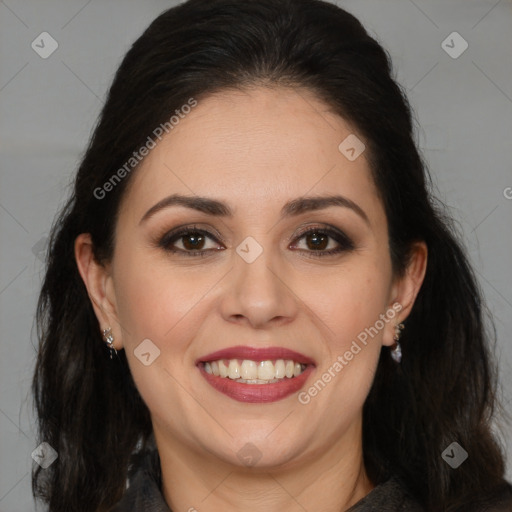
x=255 y=146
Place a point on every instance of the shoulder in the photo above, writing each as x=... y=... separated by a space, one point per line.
x=393 y=496
x=143 y=491
x=389 y=496
x=501 y=501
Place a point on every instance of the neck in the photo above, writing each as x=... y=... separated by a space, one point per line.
x=332 y=480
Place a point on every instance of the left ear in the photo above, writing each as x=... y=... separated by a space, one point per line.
x=405 y=289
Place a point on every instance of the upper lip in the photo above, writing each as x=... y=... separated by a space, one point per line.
x=256 y=354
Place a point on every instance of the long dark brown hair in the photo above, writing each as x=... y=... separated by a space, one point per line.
x=88 y=407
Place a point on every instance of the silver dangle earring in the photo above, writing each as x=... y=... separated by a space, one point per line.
x=108 y=337
x=396 y=353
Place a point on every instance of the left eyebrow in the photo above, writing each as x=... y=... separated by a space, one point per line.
x=291 y=208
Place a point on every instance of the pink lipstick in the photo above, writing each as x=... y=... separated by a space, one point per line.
x=243 y=390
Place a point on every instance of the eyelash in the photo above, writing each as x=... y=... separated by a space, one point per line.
x=169 y=238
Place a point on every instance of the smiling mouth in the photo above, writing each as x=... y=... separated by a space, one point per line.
x=256 y=374
x=247 y=371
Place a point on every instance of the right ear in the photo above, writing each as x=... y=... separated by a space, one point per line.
x=98 y=281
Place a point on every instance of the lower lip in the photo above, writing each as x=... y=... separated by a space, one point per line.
x=257 y=393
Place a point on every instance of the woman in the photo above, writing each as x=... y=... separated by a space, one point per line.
x=252 y=301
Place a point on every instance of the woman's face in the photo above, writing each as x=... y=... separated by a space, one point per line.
x=258 y=281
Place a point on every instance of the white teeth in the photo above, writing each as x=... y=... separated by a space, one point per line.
x=223 y=369
x=257 y=381
x=252 y=372
x=249 y=370
x=266 y=370
x=234 y=369
x=289 y=369
x=280 y=369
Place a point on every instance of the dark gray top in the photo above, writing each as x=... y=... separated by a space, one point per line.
x=144 y=494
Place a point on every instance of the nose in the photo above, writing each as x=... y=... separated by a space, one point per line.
x=257 y=293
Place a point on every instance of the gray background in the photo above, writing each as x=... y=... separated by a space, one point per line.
x=48 y=108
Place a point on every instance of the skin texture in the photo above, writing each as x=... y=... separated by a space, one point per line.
x=254 y=150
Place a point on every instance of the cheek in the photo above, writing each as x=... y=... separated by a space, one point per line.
x=350 y=303
x=348 y=300
x=160 y=304
x=151 y=298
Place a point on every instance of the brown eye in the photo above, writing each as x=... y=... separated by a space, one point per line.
x=193 y=242
x=317 y=240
